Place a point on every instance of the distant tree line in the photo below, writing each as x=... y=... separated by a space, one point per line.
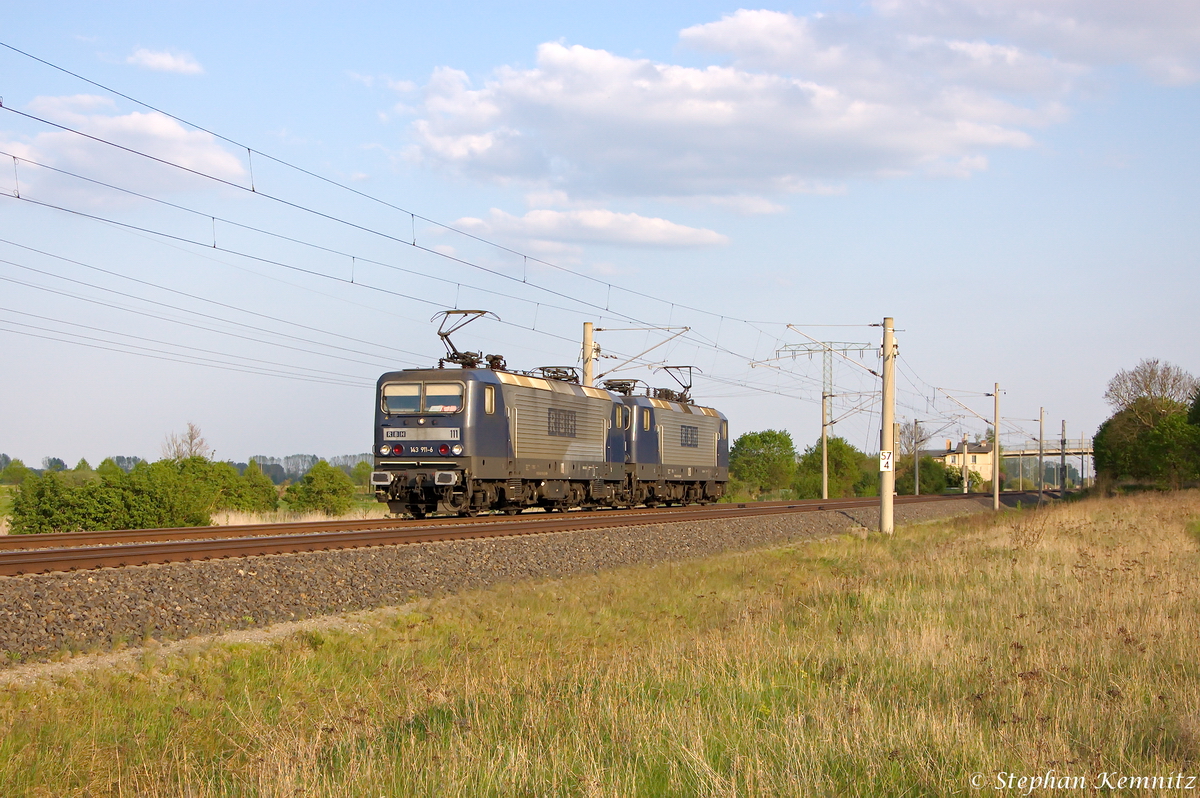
x=167 y=493
x=293 y=467
x=1153 y=435
x=764 y=462
x=184 y=488
x=280 y=470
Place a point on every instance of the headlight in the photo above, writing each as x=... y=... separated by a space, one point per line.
x=456 y=449
x=385 y=449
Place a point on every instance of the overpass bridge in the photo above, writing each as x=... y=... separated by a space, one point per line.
x=1021 y=461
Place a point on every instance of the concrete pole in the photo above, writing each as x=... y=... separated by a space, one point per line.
x=966 y=470
x=1041 y=475
x=825 y=446
x=1062 y=461
x=589 y=354
x=996 y=452
x=887 y=480
x=916 y=457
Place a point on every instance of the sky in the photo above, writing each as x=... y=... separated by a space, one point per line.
x=240 y=215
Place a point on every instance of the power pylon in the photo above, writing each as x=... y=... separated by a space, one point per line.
x=827 y=350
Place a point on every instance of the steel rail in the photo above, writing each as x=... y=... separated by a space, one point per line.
x=118 y=536
x=29 y=561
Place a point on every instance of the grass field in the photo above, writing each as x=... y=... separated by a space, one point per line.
x=1063 y=640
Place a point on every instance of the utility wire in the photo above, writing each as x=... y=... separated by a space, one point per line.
x=365 y=195
x=211 y=301
x=178 y=359
x=413 y=215
x=320 y=372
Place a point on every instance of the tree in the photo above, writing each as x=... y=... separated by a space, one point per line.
x=14 y=473
x=851 y=473
x=1151 y=390
x=255 y=492
x=1154 y=435
x=912 y=438
x=53 y=464
x=189 y=443
x=764 y=461
x=124 y=463
x=933 y=476
x=361 y=473
x=167 y=493
x=4 y=461
x=324 y=488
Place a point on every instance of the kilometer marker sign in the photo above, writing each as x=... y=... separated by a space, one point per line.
x=886 y=461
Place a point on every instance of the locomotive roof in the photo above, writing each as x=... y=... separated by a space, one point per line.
x=680 y=407
x=540 y=383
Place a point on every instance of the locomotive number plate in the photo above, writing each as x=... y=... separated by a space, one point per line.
x=423 y=434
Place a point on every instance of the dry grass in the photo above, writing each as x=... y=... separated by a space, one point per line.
x=1064 y=639
x=361 y=509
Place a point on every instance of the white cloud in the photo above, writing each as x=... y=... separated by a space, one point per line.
x=746 y=205
x=591 y=226
x=595 y=124
x=165 y=61
x=1161 y=37
x=152 y=133
x=794 y=103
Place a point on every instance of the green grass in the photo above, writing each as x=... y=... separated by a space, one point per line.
x=6 y=497
x=1062 y=639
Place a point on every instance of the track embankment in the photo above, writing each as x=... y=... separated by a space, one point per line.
x=42 y=615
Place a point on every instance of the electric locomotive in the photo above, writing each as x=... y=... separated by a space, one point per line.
x=482 y=437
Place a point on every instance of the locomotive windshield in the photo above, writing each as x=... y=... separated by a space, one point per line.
x=408 y=397
x=443 y=397
x=404 y=398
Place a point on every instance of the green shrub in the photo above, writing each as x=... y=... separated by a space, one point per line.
x=324 y=489
x=168 y=493
x=14 y=473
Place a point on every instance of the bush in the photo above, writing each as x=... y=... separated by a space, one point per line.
x=14 y=473
x=933 y=476
x=851 y=473
x=323 y=489
x=764 y=461
x=252 y=492
x=168 y=493
x=1161 y=449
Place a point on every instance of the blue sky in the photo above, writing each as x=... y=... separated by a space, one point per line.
x=1013 y=181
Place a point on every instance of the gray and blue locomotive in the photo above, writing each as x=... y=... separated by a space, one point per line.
x=482 y=438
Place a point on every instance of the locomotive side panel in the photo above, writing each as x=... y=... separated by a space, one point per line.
x=561 y=430
x=688 y=439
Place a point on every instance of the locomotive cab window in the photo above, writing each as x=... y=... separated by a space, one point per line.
x=443 y=397
x=402 y=397
x=489 y=399
x=646 y=418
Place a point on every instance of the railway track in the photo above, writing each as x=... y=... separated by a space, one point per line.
x=69 y=551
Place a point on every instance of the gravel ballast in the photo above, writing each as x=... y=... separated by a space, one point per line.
x=43 y=614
